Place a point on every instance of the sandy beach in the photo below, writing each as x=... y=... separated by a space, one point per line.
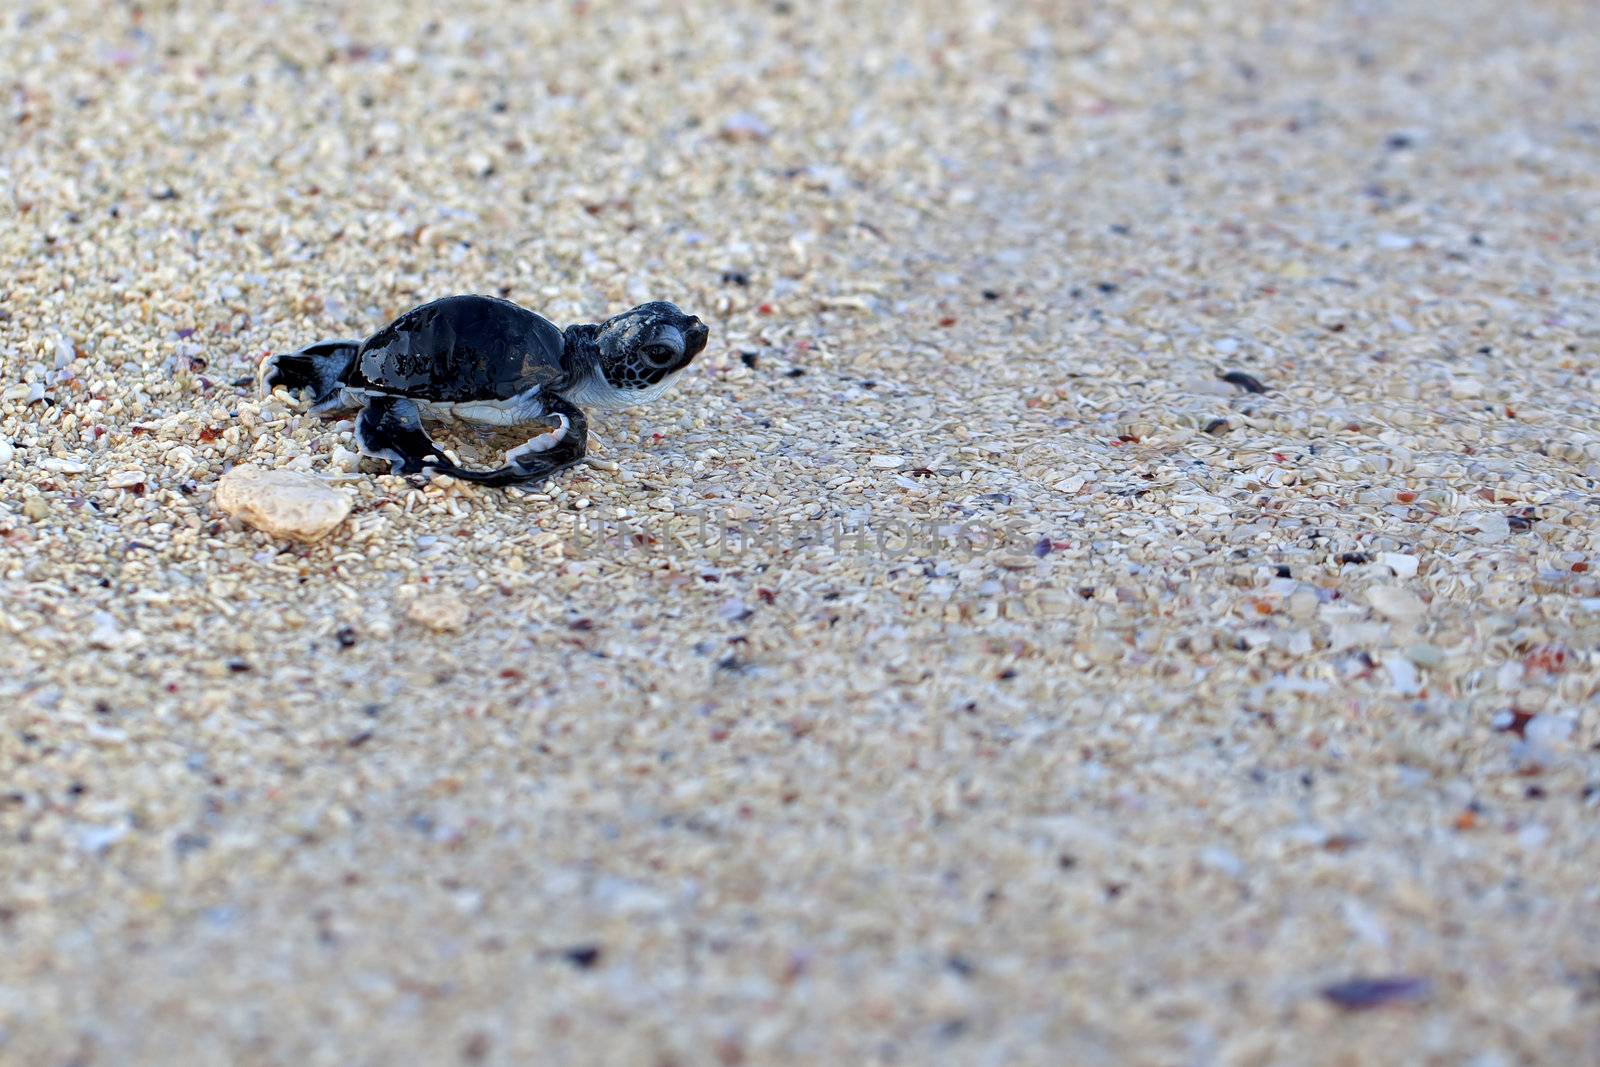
x=1122 y=585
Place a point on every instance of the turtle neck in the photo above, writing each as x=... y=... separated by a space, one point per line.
x=581 y=355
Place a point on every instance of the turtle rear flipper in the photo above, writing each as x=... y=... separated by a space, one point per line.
x=320 y=368
x=390 y=428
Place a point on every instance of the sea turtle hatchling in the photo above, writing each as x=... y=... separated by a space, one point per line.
x=491 y=363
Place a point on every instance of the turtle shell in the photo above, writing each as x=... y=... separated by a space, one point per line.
x=461 y=348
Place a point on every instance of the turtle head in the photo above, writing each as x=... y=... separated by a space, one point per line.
x=642 y=351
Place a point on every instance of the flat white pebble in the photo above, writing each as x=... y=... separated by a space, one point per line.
x=283 y=503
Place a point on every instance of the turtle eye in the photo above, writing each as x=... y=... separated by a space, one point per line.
x=658 y=355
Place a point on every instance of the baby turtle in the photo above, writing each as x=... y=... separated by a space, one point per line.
x=489 y=362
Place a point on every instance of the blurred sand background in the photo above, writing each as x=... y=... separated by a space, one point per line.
x=1240 y=696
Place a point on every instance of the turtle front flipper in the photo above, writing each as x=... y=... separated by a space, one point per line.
x=390 y=427
x=320 y=368
x=564 y=442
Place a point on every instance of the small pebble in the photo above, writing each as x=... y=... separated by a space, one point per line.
x=1362 y=994
x=1491 y=527
x=1548 y=730
x=1249 y=383
x=1402 y=675
x=108 y=633
x=745 y=127
x=441 y=612
x=1393 y=602
x=1425 y=655
x=583 y=957
x=1403 y=566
